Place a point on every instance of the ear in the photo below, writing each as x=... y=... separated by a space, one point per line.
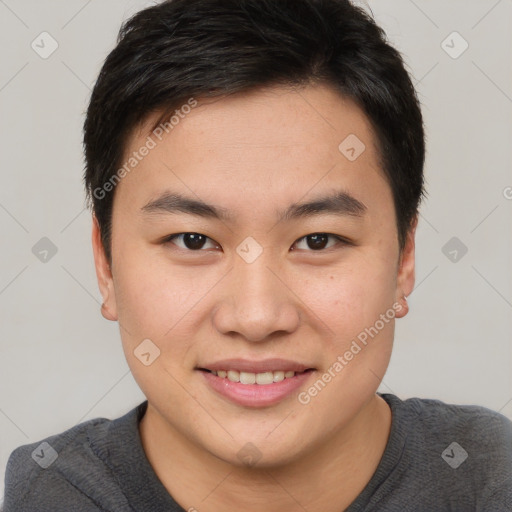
x=103 y=274
x=406 y=270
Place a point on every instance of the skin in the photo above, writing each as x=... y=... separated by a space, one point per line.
x=254 y=154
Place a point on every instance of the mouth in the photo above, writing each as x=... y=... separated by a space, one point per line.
x=255 y=383
x=262 y=378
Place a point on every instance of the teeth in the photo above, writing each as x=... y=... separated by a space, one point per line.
x=233 y=376
x=264 y=378
x=254 y=378
x=278 y=376
x=247 y=378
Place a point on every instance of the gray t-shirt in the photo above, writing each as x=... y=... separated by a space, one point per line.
x=439 y=457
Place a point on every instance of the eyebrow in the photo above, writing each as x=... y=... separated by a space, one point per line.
x=337 y=203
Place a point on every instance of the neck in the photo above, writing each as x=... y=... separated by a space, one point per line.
x=328 y=478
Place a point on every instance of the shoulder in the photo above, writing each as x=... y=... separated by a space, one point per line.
x=33 y=469
x=464 y=451
x=473 y=423
x=64 y=465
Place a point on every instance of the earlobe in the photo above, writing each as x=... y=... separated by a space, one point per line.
x=103 y=274
x=107 y=314
x=402 y=307
x=406 y=271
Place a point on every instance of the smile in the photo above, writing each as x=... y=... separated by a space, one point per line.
x=263 y=378
x=257 y=388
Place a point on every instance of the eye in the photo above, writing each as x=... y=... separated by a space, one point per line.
x=313 y=242
x=319 y=241
x=191 y=241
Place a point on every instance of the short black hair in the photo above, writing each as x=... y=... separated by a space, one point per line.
x=182 y=49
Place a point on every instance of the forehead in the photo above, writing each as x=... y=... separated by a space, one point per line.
x=262 y=145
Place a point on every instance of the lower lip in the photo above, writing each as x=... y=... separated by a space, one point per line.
x=256 y=395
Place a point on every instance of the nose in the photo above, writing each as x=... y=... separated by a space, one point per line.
x=256 y=302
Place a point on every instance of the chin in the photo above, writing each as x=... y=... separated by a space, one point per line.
x=259 y=452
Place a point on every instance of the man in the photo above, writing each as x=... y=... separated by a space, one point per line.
x=255 y=169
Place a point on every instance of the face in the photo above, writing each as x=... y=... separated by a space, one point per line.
x=290 y=263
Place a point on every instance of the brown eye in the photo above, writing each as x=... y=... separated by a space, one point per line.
x=191 y=241
x=319 y=241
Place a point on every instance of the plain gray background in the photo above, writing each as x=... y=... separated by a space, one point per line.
x=61 y=363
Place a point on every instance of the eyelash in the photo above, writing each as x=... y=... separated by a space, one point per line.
x=340 y=241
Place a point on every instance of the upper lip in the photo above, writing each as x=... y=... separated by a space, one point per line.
x=246 y=365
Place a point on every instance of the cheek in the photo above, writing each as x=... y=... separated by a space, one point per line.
x=156 y=304
x=143 y=299
x=351 y=295
x=150 y=297
x=159 y=300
